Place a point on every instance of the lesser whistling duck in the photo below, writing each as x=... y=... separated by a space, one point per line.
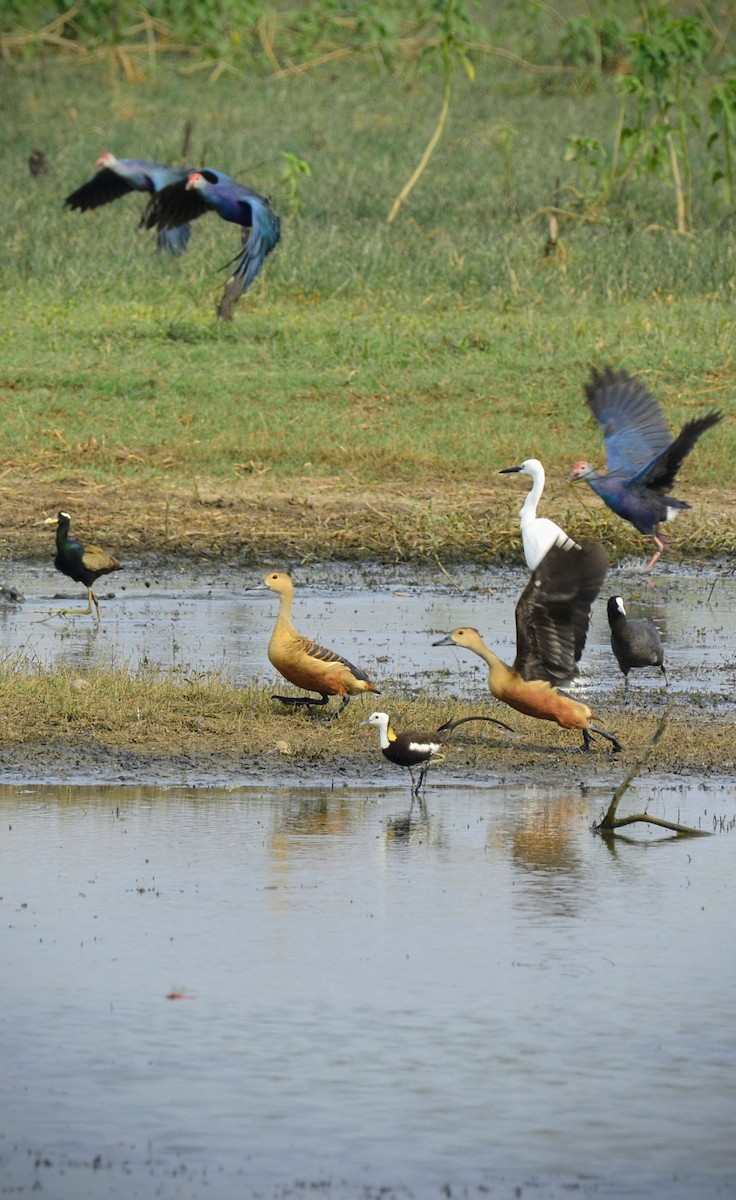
x=306 y=664
x=538 y=534
x=534 y=697
x=83 y=564
x=643 y=460
x=412 y=748
x=635 y=641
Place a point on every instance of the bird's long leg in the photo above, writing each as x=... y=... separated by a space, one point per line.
x=305 y=700
x=666 y=680
x=81 y=612
x=660 y=547
x=335 y=712
x=611 y=737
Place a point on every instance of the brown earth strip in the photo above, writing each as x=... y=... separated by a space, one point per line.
x=262 y=519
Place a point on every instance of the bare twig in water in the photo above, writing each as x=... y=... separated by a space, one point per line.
x=611 y=822
x=454 y=582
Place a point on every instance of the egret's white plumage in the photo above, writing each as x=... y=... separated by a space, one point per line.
x=538 y=534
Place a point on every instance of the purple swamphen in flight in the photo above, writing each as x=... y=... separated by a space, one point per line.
x=212 y=191
x=643 y=460
x=117 y=177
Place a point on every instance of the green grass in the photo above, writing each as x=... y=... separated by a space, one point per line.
x=441 y=347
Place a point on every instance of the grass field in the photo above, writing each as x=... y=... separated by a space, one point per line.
x=372 y=366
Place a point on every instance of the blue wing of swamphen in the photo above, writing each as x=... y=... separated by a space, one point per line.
x=632 y=422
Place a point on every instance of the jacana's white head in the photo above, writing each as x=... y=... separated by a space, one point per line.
x=196 y=181
x=380 y=719
x=581 y=470
x=106 y=160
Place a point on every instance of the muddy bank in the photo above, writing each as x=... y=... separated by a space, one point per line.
x=258 y=519
x=691 y=748
x=174 y=685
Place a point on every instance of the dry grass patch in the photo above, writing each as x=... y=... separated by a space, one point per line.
x=164 y=716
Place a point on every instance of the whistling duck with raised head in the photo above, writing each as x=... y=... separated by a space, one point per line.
x=533 y=697
x=306 y=664
x=83 y=564
x=635 y=641
x=643 y=460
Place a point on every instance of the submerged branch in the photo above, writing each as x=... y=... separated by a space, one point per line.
x=611 y=822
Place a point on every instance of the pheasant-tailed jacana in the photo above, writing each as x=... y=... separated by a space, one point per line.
x=643 y=460
x=83 y=564
x=635 y=641
x=534 y=697
x=411 y=748
x=306 y=664
x=538 y=534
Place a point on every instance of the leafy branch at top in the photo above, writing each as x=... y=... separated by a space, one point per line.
x=454 y=32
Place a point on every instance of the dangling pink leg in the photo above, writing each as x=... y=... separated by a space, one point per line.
x=660 y=547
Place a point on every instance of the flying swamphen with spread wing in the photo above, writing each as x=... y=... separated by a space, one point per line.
x=643 y=460
x=117 y=177
x=212 y=191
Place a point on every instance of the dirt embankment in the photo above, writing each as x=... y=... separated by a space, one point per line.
x=260 y=518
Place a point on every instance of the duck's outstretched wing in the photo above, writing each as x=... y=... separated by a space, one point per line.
x=553 y=612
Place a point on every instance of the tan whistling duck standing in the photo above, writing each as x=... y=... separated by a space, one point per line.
x=412 y=748
x=306 y=664
x=534 y=697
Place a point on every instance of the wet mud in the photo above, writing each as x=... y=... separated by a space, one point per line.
x=189 y=620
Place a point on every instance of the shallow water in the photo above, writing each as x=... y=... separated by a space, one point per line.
x=487 y=1000
x=383 y=619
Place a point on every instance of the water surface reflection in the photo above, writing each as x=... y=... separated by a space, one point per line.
x=480 y=996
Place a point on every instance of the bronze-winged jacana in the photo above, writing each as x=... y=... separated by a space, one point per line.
x=83 y=564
